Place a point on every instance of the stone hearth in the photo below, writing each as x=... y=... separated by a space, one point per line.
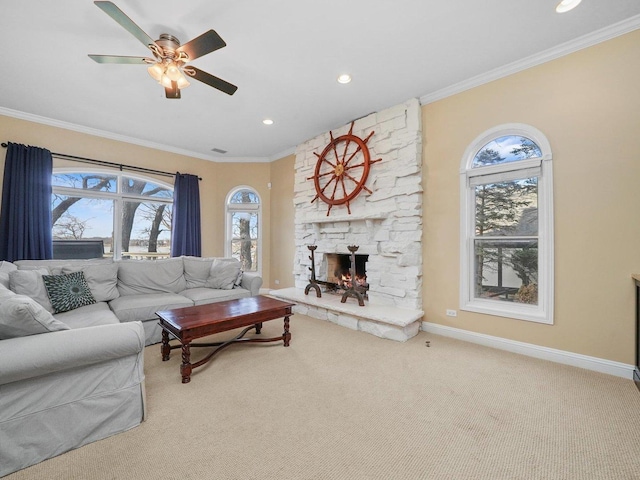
x=383 y=321
x=386 y=225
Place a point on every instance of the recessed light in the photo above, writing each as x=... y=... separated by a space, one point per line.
x=344 y=78
x=566 y=5
x=267 y=121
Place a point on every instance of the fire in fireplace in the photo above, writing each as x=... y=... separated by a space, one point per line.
x=339 y=270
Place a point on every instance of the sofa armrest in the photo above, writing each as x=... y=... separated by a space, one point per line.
x=252 y=282
x=36 y=355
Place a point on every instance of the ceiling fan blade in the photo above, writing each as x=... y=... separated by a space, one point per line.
x=118 y=15
x=205 y=43
x=214 y=82
x=120 y=59
x=173 y=92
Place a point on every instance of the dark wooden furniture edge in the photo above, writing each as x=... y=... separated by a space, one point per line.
x=252 y=320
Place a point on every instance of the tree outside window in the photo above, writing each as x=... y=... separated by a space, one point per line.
x=506 y=240
x=132 y=215
x=243 y=228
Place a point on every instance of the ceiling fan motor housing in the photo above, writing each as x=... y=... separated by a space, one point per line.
x=169 y=44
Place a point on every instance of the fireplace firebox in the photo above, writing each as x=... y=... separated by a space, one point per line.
x=345 y=273
x=339 y=269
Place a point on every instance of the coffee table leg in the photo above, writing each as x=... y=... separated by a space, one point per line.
x=165 y=348
x=185 y=368
x=286 y=336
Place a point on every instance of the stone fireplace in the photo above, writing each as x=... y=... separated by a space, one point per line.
x=385 y=224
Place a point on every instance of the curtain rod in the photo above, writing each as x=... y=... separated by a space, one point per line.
x=104 y=163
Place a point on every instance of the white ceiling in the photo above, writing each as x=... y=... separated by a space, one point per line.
x=284 y=55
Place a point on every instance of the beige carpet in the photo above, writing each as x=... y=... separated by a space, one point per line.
x=340 y=404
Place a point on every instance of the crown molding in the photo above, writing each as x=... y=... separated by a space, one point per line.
x=241 y=159
x=8 y=112
x=599 y=36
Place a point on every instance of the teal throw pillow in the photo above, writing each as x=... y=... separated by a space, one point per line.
x=68 y=292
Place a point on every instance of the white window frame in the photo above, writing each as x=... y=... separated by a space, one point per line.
x=230 y=208
x=469 y=177
x=118 y=196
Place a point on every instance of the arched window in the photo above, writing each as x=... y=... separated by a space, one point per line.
x=130 y=213
x=506 y=185
x=244 y=228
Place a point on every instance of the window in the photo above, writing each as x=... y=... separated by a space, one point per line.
x=507 y=225
x=131 y=214
x=243 y=228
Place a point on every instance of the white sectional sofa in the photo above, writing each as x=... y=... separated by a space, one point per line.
x=68 y=378
x=133 y=290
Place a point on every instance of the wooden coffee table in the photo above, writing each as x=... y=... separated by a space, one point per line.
x=190 y=323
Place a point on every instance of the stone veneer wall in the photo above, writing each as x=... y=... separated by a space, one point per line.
x=386 y=225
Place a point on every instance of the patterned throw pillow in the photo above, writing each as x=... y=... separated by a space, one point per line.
x=68 y=292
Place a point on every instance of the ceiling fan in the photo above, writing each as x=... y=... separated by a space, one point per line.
x=168 y=65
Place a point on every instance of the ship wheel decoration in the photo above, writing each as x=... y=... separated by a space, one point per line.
x=342 y=169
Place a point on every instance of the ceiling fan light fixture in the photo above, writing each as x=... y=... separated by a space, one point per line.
x=165 y=81
x=566 y=5
x=156 y=71
x=182 y=82
x=173 y=72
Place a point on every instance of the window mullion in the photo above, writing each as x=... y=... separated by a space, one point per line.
x=146 y=198
x=117 y=229
x=505 y=238
x=75 y=192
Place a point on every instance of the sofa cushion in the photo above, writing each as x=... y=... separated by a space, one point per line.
x=201 y=295
x=196 y=270
x=102 y=279
x=224 y=273
x=68 y=291
x=151 y=276
x=5 y=292
x=97 y=313
x=29 y=282
x=129 y=308
x=5 y=268
x=20 y=316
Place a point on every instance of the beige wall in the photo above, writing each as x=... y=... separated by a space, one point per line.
x=588 y=106
x=282 y=224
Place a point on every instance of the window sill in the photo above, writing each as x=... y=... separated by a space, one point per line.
x=519 y=312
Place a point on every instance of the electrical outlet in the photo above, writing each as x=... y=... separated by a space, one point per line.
x=452 y=313
x=277 y=282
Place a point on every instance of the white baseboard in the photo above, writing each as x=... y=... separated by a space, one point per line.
x=559 y=356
